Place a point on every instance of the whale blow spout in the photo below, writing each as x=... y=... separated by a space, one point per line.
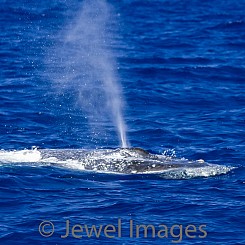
x=85 y=66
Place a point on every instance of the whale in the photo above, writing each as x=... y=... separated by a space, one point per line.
x=114 y=161
x=122 y=160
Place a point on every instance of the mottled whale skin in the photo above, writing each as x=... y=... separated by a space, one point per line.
x=122 y=160
x=116 y=161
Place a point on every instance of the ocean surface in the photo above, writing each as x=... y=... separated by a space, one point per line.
x=180 y=69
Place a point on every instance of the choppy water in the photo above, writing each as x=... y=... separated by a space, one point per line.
x=182 y=69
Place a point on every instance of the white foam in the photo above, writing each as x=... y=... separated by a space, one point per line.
x=206 y=171
x=20 y=156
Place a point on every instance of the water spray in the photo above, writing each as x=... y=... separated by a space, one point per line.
x=87 y=65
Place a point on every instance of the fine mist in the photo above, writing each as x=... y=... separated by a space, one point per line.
x=83 y=64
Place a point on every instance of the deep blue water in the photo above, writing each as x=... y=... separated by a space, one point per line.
x=181 y=65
